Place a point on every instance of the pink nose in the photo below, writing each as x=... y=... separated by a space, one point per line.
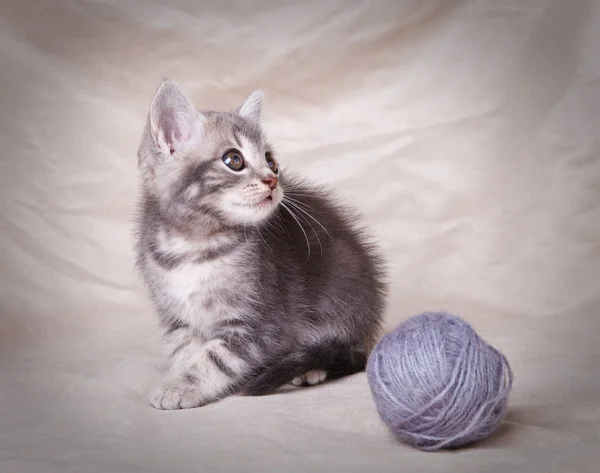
x=271 y=181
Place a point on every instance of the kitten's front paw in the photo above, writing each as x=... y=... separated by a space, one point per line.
x=172 y=395
x=310 y=378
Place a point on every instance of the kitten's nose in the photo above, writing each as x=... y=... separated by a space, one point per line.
x=271 y=181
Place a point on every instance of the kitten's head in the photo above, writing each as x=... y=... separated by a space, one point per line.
x=208 y=168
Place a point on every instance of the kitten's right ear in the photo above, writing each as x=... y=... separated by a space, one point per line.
x=252 y=107
x=174 y=121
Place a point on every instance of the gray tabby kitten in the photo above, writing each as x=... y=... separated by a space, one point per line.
x=259 y=279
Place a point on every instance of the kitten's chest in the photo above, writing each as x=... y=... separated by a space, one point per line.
x=203 y=291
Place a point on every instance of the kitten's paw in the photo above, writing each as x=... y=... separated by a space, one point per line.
x=172 y=395
x=310 y=378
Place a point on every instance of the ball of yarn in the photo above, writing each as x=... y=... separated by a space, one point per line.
x=436 y=384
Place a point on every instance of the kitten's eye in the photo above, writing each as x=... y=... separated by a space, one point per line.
x=271 y=162
x=234 y=160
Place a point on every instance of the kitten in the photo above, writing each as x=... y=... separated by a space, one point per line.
x=259 y=279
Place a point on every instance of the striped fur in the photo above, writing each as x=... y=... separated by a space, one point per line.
x=254 y=287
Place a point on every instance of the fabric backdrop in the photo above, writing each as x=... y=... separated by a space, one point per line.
x=466 y=133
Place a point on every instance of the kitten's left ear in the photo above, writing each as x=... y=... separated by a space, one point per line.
x=252 y=107
x=174 y=121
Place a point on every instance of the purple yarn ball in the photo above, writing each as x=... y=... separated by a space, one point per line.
x=436 y=384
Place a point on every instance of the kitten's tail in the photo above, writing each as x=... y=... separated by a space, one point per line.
x=336 y=359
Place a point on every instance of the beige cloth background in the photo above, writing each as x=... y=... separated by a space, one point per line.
x=466 y=132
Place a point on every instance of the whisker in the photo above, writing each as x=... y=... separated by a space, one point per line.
x=297 y=193
x=298 y=222
x=294 y=194
x=261 y=237
x=319 y=223
x=299 y=202
x=309 y=224
x=271 y=225
x=281 y=224
x=298 y=199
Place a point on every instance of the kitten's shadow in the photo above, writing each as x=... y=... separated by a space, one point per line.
x=290 y=389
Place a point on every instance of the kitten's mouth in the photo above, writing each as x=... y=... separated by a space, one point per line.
x=264 y=202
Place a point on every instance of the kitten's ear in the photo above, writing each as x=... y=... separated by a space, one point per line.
x=174 y=121
x=252 y=107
